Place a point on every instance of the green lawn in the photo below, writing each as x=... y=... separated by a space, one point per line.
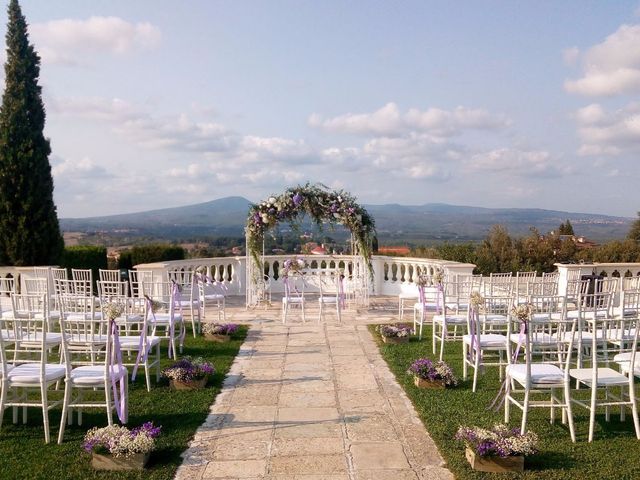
x=24 y=455
x=614 y=453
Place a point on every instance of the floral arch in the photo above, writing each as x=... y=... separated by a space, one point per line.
x=323 y=206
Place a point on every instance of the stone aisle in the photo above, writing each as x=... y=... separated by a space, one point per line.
x=311 y=402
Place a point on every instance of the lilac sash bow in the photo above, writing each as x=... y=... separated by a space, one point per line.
x=143 y=346
x=115 y=359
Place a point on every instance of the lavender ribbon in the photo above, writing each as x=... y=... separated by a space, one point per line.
x=341 y=296
x=175 y=299
x=474 y=318
x=119 y=391
x=143 y=347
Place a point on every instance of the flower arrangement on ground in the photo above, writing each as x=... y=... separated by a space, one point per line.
x=293 y=265
x=394 y=333
x=188 y=373
x=322 y=205
x=121 y=442
x=219 y=328
x=394 y=330
x=438 y=372
x=499 y=441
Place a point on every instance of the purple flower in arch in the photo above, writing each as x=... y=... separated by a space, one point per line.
x=297 y=199
x=257 y=219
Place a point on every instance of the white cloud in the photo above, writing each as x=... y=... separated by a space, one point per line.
x=390 y=122
x=523 y=163
x=571 y=56
x=609 y=133
x=611 y=67
x=72 y=42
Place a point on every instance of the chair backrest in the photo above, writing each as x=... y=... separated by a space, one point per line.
x=42 y=272
x=112 y=288
x=630 y=303
x=59 y=273
x=631 y=283
x=548 y=307
x=499 y=284
x=82 y=274
x=7 y=288
x=136 y=277
x=294 y=285
x=109 y=275
x=30 y=328
x=540 y=337
x=181 y=277
x=36 y=286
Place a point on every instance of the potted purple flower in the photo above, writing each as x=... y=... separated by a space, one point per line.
x=499 y=449
x=219 y=332
x=427 y=374
x=189 y=373
x=394 y=333
x=117 y=448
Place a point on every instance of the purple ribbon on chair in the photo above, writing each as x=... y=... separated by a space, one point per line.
x=143 y=347
x=119 y=391
x=176 y=299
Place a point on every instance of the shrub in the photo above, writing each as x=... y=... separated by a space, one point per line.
x=85 y=257
x=158 y=252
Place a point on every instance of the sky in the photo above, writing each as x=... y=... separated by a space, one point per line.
x=157 y=103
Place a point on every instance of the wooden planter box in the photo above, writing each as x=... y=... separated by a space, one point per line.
x=216 y=337
x=107 y=461
x=495 y=464
x=435 y=384
x=395 y=340
x=193 y=385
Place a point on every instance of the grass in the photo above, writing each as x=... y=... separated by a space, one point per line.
x=24 y=455
x=614 y=453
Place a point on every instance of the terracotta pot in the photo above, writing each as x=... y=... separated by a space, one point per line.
x=424 y=383
x=395 y=340
x=495 y=464
x=106 y=461
x=216 y=337
x=192 y=385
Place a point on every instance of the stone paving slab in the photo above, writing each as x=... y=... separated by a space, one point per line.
x=311 y=402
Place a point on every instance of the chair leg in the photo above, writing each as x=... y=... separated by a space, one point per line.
x=3 y=400
x=567 y=401
x=464 y=360
x=525 y=411
x=45 y=411
x=65 y=410
x=109 y=401
x=147 y=377
x=592 y=412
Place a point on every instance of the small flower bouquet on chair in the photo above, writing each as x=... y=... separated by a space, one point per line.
x=118 y=448
x=189 y=373
x=499 y=449
x=217 y=332
x=394 y=333
x=427 y=374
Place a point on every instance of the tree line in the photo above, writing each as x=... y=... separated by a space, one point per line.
x=500 y=252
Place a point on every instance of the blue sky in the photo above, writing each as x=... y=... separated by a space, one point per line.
x=154 y=104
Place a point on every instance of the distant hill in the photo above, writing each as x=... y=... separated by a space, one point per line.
x=395 y=223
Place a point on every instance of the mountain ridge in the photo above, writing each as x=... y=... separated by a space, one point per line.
x=431 y=221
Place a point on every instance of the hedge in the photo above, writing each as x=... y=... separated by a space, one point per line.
x=158 y=252
x=85 y=257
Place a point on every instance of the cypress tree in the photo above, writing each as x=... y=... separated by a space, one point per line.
x=29 y=229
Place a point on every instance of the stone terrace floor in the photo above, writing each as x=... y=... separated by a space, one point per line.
x=311 y=401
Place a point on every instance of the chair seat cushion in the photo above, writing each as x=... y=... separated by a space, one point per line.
x=164 y=318
x=52 y=338
x=297 y=300
x=214 y=296
x=536 y=338
x=29 y=373
x=488 y=340
x=541 y=373
x=606 y=376
x=450 y=319
x=95 y=374
x=132 y=342
x=327 y=299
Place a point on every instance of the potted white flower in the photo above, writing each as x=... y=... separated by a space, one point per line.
x=394 y=333
x=499 y=449
x=117 y=448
